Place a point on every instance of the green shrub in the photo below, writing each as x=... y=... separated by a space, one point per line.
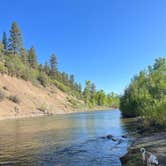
x=43 y=108
x=3 y=69
x=15 y=99
x=2 y=95
x=61 y=86
x=43 y=79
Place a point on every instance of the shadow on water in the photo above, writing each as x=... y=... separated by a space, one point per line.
x=72 y=140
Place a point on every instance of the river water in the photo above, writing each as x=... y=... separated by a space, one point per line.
x=65 y=140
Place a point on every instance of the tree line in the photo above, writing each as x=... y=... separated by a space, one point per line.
x=146 y=95
x=16 y=60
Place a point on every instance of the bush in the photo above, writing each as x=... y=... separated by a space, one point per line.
x=61 y=86
x=44 y=80
x=43 y=108
x=2 y=95
x=3 y=69
x=15 y=99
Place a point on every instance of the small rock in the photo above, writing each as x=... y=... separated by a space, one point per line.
x=124 y=136
x=109 y=136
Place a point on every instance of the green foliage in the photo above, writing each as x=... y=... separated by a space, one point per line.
x=14 y=99
x=146 y=94
x=17 y=61
x=43 y=108
x=1 y=49
x=99 y=98
x=15 y=39
x=14 y=65
x=43 y=78
x=61 y=86
x=53 y=65
x=74 y=103
x=32 y=58
x=3 y=69
x=2 y=95
x=4 y=41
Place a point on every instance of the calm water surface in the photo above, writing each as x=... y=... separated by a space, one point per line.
x=65 y=140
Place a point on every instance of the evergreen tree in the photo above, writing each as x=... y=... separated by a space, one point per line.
x=53 y=65
x=15 y=39
x=93 y=89
x=32 y=58
x=4 y=42
x=1 y=49
x=24 y=56
x=80 y=88
x=72 y=80
x=47 y=68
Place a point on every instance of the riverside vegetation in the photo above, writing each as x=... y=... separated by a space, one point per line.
x=19 y=62
x=145 y=98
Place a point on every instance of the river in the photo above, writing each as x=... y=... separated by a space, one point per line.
x=65 y=140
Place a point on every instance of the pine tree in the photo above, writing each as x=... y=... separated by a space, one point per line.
x=72 y=80
x=53 y=65
x=4 y=42
x=15 y=39
x=32 y=58
x=80 y=88
x=1 y=50
x=24 y=55
x=47 y=68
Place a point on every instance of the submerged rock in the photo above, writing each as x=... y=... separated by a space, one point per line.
x=124 y=136
x=109 y=136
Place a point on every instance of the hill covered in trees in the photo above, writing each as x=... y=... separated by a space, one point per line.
x=20 y=62
x=146 y=95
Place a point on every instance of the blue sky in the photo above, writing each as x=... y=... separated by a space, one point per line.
x=106 y=41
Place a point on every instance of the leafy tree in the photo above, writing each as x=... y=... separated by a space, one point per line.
x=146 y=94
x=87 y=92
x=15 y=39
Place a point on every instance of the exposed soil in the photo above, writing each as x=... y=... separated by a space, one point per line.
x=33 y=100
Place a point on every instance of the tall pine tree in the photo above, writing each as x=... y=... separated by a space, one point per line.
x=24 y=56
x=32 y=58
x=15 y=39
x=4 y=42
x=53 y=65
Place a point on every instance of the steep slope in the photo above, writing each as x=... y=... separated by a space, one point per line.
x=22 y=99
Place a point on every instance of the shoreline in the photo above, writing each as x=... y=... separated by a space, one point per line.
x=154 y=142
x=33 y=115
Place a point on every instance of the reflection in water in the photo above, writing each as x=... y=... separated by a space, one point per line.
x=72 y=140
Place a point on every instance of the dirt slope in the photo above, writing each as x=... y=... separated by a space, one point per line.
x=33 y=100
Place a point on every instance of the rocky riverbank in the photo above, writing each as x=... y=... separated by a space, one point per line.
x=154 y=142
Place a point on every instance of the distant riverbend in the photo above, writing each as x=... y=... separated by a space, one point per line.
x=72 y=139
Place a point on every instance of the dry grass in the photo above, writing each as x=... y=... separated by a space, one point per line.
x=32 y=98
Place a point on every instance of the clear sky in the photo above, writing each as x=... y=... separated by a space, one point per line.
x=106 y=41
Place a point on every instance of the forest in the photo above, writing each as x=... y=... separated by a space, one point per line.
x=146 y=95
x=20 y=62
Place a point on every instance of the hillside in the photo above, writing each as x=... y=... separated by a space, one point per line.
x=30 y=88
x=20 y=98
